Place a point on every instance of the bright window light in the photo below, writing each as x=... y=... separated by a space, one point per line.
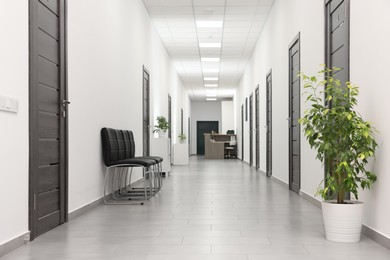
x=209 y=24
x=210 y=59
x=211 y=85
x=211 y=99
x=210 y=45
x=210 y=78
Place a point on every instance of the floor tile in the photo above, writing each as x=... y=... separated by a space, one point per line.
x=209 y=210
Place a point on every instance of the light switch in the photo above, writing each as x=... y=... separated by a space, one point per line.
x=9 y=104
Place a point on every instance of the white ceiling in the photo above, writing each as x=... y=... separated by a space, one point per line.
x=175 y=21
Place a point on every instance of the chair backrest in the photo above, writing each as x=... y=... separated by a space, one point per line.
x=117 y=145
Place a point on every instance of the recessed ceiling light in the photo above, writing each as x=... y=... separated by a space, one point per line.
x=209 y=24
x=211 y=70
x=210 y=45
x=210 y=78
x=210 y=59
x=211 y=99
x=211 y=85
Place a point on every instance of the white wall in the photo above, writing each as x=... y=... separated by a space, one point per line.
x=227 y=116
x=370 y=55
x=286 y=20
x=14 y=127
x=203 y=111
x=106 y=51
x=368 y=69
x=106 y=55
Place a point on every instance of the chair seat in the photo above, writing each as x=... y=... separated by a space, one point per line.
x=156 y=158
x=134 y=161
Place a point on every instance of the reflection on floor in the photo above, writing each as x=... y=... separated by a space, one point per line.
x=212 y=209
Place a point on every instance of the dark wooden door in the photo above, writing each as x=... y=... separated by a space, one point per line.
x=269 y=124
x=242 y=132
x=257 y=126
x=251 y=130
x=48 y=113
x=294 y=114
x=337 y=37
x=146 y=112
x=203 y=127
x=170 y=123
x=337 y=41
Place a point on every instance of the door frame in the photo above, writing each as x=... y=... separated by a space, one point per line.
x=327 y=25
x=251 y=129
x=296 y=40
x=145 y=131
x=242 y=132
x=268 y=125
x=64 y=177
x=257 y=126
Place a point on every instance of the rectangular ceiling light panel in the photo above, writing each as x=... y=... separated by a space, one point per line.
x=210 y=70
x=210 y=59
x=209 y=24
x=210 y=78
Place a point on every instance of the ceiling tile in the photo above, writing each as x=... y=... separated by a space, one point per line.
x=208 y=2
x=175 y=21
x=242 y=2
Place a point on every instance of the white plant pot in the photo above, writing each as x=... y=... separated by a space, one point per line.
x=343 y=222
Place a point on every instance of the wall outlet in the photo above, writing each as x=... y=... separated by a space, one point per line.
x=9 y=104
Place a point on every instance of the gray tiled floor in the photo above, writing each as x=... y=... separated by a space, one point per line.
x=211 y=210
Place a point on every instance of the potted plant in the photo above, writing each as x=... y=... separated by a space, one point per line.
x=162 y=126
x=182 y=138
x=344 y=142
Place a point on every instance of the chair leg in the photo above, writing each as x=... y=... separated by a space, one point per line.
x=105 y=185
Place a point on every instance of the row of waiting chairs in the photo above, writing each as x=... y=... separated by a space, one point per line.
x=120 y=160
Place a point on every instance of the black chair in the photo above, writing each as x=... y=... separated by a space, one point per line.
x=118 y=155
x=129 y=142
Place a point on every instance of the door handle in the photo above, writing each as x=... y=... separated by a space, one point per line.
x=65 y=102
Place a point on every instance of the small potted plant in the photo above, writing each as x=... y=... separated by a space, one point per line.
x=162 y=126
x=182 y=138
x=344 y=142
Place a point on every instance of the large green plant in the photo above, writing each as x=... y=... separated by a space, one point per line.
x=343 y=140
x=162 y=124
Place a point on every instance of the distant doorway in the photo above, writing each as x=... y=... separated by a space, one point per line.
x=203 y=127
x=294 y=114
x=257 y=126
x=269 y=124
x=251 y=130
x=146 y=112
x=242 y=132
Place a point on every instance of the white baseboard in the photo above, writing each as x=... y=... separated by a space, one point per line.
x=279 y=182
x=14 y=243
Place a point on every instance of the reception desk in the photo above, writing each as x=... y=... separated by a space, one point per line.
x=214 y=145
